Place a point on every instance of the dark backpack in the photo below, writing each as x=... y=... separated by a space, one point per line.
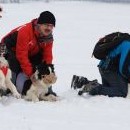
x=107 y=43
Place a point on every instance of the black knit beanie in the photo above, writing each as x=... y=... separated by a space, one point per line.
x=46 y=17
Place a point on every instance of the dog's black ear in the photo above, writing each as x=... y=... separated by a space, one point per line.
x=52 y=67
x=43 y=69
x=40 y=66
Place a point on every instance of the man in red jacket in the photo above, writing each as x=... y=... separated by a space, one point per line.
x=29 y=45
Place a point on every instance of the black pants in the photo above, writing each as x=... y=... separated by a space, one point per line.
x=113 y=84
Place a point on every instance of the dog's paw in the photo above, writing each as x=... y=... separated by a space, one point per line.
x=51 y=98
x=33 y=99
x=17 y=95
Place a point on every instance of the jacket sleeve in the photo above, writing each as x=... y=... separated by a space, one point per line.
x=47 y=52
x=22 y=52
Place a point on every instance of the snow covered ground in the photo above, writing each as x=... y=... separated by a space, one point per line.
x=79 y=26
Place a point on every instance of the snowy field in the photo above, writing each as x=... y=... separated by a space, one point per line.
x=79 y=26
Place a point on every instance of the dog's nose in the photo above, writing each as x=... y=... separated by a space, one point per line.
x=43 y=76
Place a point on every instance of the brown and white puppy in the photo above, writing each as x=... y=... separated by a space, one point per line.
x=42 y=79
x=5 y=78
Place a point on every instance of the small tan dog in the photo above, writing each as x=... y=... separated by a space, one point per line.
x=42 y=79
x=5 y=78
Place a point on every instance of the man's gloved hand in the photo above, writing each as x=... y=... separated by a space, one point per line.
x=50 y=79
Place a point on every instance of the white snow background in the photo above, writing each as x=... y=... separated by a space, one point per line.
x=79 y=26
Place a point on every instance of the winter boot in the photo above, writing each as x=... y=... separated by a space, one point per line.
x=88 y=87
x=78 y=82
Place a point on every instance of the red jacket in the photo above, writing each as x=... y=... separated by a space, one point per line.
x=27 y=46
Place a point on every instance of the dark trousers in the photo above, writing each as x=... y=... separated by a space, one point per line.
x=113 y=84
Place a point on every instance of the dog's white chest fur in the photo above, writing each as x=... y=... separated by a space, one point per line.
x=36 y=93
x=42 y=89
